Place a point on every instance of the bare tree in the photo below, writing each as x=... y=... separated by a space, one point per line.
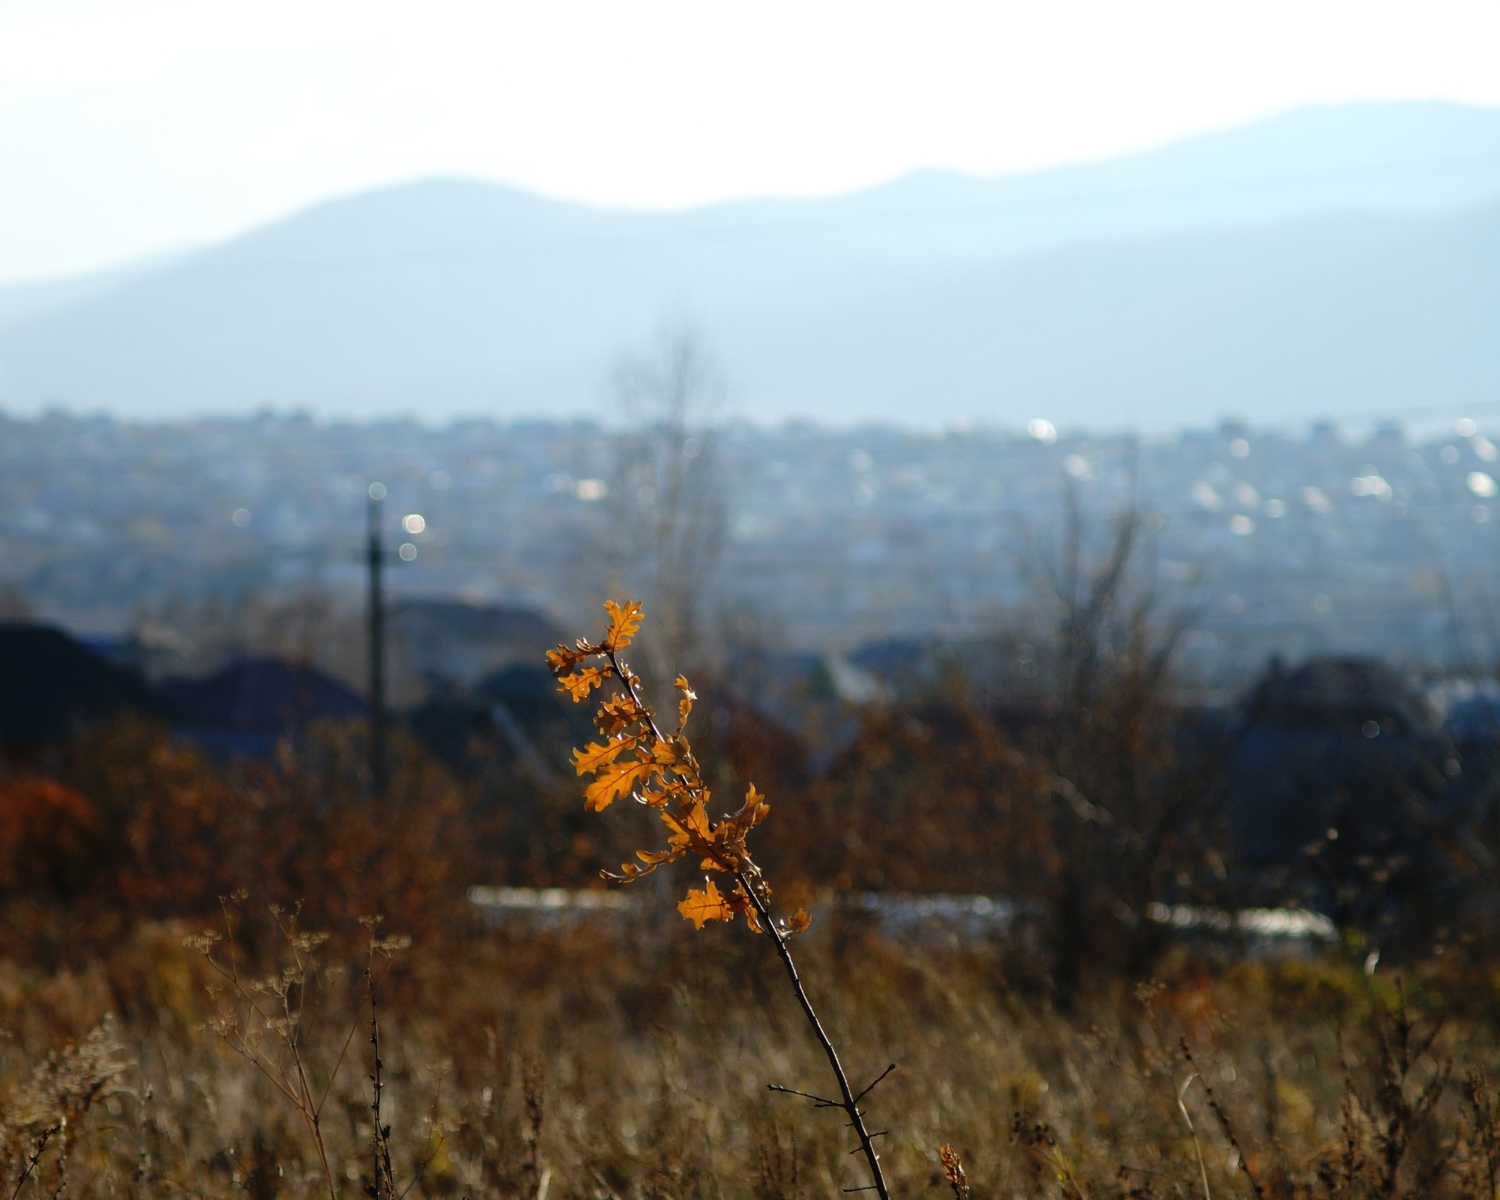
x=1132 y=794
x=669 y=494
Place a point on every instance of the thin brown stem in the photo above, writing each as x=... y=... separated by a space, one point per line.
x=850 y=1103
x=339 y=1062
x=311 y=1116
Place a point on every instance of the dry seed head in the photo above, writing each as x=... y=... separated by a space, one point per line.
x=202 y=943
x=308 y=942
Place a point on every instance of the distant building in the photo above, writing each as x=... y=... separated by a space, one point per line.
x=515 y=716
x=250 y=705
x=1345 y=790
x=443 y=646
x=50 y=684
x=1346 y=695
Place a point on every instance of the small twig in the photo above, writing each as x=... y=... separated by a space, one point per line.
x=876 y=1082
x=339 y=1062
x=437 y=1097
x=142 y=1172
x=604 y=1183
x=422 y=1167
x=820 y=1101
x=664 y=769
x=873 y=1136
x=290 y=1078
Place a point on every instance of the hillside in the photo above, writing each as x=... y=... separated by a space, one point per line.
x=1326 y=261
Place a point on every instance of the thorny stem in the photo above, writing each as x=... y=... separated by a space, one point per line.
x=851 y=1102
x=34 y=1158
x=383 y=1187
x=1222 y=1118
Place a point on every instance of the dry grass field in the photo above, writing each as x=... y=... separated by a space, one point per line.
x=629 y=1058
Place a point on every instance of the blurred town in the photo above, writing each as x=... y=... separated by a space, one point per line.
x=160 y=543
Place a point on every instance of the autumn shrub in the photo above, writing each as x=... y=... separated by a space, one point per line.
x=931 y=797
x=51 y=843
x=144 y=827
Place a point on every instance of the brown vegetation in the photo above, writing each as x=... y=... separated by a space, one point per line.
x=627 y=1056
x=623 y=1061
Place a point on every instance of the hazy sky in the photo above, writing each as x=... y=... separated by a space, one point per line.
x=133 y=125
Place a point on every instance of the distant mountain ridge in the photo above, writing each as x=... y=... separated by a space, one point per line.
x=1329 y=260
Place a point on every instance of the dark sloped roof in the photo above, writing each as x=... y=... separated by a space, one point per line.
x=261 y=695
x=528 y=685
x=49 y=682
x=457 y=619
x=1338 y=693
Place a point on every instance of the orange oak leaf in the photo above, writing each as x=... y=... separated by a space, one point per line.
x=624 y=622
x=582 y=682
x=752 y=813
x=600 y=754
x=684 y=705
x=689 y=828
x=616 y=713
x=741 y=903
x=616 y=780
x=565 y=657
x=705 y=904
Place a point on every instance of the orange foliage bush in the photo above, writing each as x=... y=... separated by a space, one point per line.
x=167 y=812
x=143 y=827
x=930 y=798
x=45 y=830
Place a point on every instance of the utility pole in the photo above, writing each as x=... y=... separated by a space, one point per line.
x=378 y=774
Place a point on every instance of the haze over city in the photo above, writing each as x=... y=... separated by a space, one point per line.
x=138 y=127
